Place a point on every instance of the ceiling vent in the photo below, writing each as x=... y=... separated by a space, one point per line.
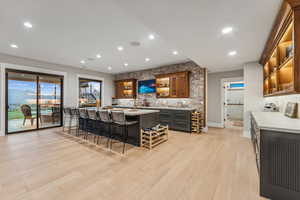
x=135 y=43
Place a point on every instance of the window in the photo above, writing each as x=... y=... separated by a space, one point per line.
x=90 y=92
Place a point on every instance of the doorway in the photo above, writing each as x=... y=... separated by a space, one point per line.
x=33 y=101
x=233 y=104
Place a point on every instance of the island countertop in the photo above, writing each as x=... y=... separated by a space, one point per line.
x=137 y=112
x=131 y=112
x=276 y=121
x=156 y=107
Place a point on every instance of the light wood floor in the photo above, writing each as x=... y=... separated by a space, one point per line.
x=49 y=165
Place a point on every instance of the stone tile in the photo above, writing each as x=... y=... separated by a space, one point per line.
x=197 y=84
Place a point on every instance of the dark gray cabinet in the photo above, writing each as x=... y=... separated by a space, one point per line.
x=178 y=120
x=278 y=160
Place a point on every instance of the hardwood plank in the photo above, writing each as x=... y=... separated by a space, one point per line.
x=218 y=165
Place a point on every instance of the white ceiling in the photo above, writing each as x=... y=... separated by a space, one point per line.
x=67 y=31
x=194 y=26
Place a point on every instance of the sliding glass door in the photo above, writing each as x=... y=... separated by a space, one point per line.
x=21 y=102
x=33 y=101
x=49 y=101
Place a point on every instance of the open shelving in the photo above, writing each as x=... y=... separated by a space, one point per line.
x=173 y=85
x=278 y=67
x=125 y=89
x=163 y=87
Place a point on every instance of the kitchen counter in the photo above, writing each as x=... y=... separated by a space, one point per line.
x=130 y=112
x=155 y=107
x=137 y=112
x=145 y=119
x=276 y=121
x=276 y=144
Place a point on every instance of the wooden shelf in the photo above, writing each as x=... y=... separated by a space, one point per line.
x=278 y=68
x=174 y=85
x=125 y=89
x=153 y=137
x=281 y=56
x=286 y=62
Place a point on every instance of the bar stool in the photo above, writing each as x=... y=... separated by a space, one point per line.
x=83 y=119
x=119 y=120
x=67 y=116
x=91 y=123
x=75 y=116
x=105 y=118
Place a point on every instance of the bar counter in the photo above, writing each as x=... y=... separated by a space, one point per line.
x=145 y=118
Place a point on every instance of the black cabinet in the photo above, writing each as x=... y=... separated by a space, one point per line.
x=278 y=160
x=178 y=120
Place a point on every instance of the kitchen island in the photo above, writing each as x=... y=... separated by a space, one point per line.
x=177 y=118
x=145 y=118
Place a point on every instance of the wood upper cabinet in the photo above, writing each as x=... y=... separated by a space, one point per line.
x=125 y=89
x=174 y=85
x=119 y=89
x=281 y=56
x=182 y=81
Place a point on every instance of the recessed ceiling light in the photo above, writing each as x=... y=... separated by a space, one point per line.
x=82 y=61
x=14 y=46
x=232 y=53
x=28 y=25
x=227 y=30
x=125 y=64
x=109 y=68
x=151 y=37
x=147 y=59
x=120 y=48
x=98 y=56
x=175 y=52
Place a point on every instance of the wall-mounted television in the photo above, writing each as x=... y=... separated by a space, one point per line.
x=146 y=86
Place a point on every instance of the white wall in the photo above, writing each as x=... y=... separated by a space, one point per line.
x=214 y=96
x=253 y=93
x=70 y=74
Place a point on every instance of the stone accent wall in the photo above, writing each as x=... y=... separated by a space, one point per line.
x=197 y=86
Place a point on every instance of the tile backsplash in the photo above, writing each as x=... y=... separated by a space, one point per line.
x=281 y=101
x=197 y=86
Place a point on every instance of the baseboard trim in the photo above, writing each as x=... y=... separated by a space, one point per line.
x=215 y=125
x=246 y=134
